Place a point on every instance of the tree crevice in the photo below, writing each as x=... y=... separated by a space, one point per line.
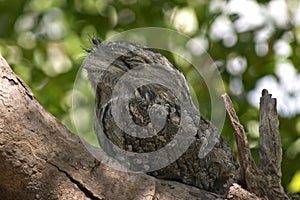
x=80 y=185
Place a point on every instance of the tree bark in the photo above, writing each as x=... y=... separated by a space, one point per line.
x=41 y=159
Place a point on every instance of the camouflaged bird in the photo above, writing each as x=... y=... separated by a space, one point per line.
x=108 y=64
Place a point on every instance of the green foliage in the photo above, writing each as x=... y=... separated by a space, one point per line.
x=43 y=40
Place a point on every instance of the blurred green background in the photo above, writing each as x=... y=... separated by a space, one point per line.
x=255 y=45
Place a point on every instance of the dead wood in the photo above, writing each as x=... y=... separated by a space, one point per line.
x=265 y=180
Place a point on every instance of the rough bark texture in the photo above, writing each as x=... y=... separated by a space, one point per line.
x=264 y=180
x=41 y=159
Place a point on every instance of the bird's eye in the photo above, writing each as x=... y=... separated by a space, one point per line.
x=135 y=60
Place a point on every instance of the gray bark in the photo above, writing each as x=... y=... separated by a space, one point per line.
x=41 y=159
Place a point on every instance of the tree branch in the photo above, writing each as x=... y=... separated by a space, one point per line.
x=41 y=159
x=264 y=181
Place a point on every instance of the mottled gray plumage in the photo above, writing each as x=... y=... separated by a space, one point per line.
x=106 y=65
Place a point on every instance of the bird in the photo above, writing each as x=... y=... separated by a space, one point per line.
x=146 y=120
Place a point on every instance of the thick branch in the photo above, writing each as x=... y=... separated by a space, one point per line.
x=41 y=159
